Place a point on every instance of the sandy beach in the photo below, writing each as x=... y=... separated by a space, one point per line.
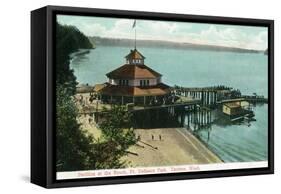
x=176 y=147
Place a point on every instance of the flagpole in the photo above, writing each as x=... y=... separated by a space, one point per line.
x=135 y=36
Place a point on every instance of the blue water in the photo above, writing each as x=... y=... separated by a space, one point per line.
x=240 y=142
x=192 y=68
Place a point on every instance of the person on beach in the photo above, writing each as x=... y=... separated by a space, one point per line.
x=81 y=100
x=160 y=138
x=152 y=137
x=91 y=99
x=90 y=120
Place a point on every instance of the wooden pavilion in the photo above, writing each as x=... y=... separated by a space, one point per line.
x=134 y=82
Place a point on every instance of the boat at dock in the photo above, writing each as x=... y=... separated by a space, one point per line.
x=247 y=116
x=237 y=109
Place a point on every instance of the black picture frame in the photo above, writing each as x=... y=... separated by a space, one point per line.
x=43 y=92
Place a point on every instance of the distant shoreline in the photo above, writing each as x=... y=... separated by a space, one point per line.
x=95 y=40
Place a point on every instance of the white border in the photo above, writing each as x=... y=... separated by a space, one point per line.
x=159 y=170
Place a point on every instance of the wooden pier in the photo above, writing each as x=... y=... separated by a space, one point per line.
x=190 y=104
x=255 y=99
x=250 y=99
x=202 y=118
x=211 y=96
x=207 y=95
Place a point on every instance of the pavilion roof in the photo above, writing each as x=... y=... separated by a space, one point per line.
x=116 y=90
x=129 y=71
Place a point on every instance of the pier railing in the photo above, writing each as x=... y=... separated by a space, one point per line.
x=207 y=95
x=211 y=96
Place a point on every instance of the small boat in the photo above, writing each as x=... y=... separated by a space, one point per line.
x=238 y=110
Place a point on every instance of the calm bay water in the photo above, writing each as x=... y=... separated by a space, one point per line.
x=239 y=142
x=192 y=68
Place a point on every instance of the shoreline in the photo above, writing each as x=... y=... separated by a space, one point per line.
x=205 y=144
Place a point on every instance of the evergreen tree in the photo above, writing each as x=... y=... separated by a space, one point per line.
x=116 y=128
x=77 y=150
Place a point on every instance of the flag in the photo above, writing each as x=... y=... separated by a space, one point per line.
x=134 y=24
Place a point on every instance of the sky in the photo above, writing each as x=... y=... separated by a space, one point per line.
x=247 y=37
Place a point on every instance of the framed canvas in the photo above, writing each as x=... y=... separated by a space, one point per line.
x=126 y=96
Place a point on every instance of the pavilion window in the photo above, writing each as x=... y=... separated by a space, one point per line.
x=123 y=82
x=144 y=82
